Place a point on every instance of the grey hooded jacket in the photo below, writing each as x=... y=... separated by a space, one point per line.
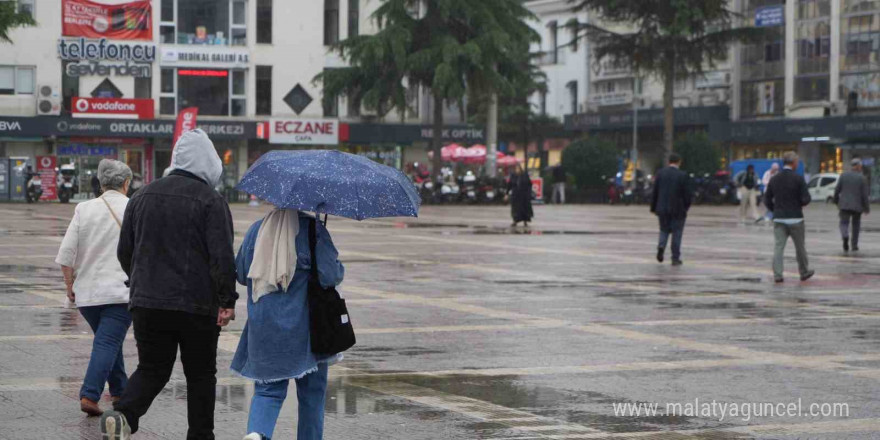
x=176 y=239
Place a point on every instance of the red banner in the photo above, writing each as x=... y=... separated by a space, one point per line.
x=186 y=121
x=148 y=164
x=112 y=108
x=126 y=21
x=46 y=170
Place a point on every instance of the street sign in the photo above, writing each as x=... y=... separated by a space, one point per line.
x=46 y=170
x=770 y=16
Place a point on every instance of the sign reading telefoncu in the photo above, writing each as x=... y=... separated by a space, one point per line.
x=304 y=131
x=137 y=57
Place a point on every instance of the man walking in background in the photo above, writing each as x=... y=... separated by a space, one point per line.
x=559 y=179
x=786 y=197
x=748 y=194
x=176 y=248
x=851 y=197
x=671 y=202
x=765 y=180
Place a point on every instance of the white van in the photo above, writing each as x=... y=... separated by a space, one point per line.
x=821 y=187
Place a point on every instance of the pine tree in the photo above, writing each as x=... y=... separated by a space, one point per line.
x=671 y=39
x=448 y=46
x=11 y=18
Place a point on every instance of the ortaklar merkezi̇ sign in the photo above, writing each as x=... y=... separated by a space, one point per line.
x=104 y=58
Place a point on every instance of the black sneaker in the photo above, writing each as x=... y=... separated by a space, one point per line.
x=855 y=247
x=114 y=426
x=676 y=262
x=660 y=251
x=778 y=280
x=846 y=245
x=808 y=275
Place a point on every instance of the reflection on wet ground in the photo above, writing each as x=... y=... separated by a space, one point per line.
x=476 y=330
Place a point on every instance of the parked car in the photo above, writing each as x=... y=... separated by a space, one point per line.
x=821 y=187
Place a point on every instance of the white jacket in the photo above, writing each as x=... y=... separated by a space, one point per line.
x=89 y=247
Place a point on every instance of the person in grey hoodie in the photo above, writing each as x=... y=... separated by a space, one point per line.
x=851 y=197
x=175 y=246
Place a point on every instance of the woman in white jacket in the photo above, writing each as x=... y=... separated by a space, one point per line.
x=96 y=283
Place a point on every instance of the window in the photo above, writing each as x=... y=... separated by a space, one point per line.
x=765 y=59
x=813 y=46
x=206 y=89
x=573 y=96
x=264 y=21
x=811 y=88
x=15 y=80
x=167 y=96
x=810 y=9
x=543 y=102
x=331 y=22
x=330 y=103
x=762 y=98
x=573 y=28
x=554 y=41
x=353 y=107
x=860 y=42
x=827 y=181
x=264 y=90
x=814 y=182
x=239 y=100
x=354 y=17
x=69 y=85
x=26 y=7
x=412 y=101
x=212 y=22
x=143 y=88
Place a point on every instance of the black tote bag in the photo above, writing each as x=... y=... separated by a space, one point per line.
x=330 y=326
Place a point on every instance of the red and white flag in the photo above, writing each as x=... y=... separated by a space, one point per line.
x=186 y=121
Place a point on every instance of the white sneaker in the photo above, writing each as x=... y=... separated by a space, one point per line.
x=254 y=436
x=114 y=426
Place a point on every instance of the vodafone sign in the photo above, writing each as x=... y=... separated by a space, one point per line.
x=117 y=108
x=304 y=131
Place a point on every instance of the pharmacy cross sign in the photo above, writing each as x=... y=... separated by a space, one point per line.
x=298 y=99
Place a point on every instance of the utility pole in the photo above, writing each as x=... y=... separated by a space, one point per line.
x=492 y=136
x=634 y=152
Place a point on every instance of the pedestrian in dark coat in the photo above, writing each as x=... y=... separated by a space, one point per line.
x=786 y=196
x=520 y=190
x=851 y=197
x=671 y=202
x=176 y=248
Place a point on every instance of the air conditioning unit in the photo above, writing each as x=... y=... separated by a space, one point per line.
x=48 y=100
x=839 y=108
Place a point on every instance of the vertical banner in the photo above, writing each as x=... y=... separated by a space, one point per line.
x=148 y=164
x=186 y=121
x=46 y=170
x=132 y=20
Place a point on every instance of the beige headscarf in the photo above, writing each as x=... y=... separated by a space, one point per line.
x=274 y=253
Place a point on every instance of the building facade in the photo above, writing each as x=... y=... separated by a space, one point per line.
x=103 y=78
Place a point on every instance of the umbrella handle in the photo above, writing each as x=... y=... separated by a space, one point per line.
x=325 y=220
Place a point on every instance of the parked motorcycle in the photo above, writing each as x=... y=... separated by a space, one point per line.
x=469 y=188
x=34 y=189
x=67 y=186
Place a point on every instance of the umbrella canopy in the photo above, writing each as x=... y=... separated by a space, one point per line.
x=474 y=154
x=507 y=161
x=450 y=153
x=331 y=182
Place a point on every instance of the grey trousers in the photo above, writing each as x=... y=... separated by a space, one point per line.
x=781 y=232
x=845 y=217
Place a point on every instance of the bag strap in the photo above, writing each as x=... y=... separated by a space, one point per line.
x=118 y=223
x=313 y=242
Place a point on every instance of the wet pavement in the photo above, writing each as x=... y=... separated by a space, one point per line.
x=469 y=329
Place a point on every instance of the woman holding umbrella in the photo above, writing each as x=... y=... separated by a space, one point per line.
x=520 y=190
x=285 y=257
x=274 y=262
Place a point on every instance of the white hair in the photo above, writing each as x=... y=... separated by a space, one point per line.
x=112 y=174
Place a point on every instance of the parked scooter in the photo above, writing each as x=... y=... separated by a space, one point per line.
x=34 y=189
x=67 y=186
x=469 y=188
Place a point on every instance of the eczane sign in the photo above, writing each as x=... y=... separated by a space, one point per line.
x=304 y=131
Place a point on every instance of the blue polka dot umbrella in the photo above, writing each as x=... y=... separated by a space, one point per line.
x=331 y=182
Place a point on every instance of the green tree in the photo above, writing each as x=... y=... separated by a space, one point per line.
x=699 y=155
x=588 y=160
x=448 y=47
x=671 y=39
x=11 y=18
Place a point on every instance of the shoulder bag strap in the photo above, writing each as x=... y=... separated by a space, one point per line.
x=313 y=243
x=118 y=223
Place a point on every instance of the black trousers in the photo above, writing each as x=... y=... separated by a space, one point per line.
x=856 y=218
x=158 y=334
x=672 y=225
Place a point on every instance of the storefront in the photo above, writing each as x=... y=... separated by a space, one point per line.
x=617 y=127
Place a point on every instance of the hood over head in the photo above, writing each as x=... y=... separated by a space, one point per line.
x=195 y=153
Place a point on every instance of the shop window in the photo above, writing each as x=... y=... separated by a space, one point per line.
x=812 y=88
x=264 y=21
x=264 y=90
x=16 y=80
x=331 y=22
x=206 y=89
x=354 y=18
x=238 y=98
x=860 y=90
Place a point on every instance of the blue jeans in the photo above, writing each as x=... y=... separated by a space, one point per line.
x=311 y=392
x=675 y=226
x=110 y=324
